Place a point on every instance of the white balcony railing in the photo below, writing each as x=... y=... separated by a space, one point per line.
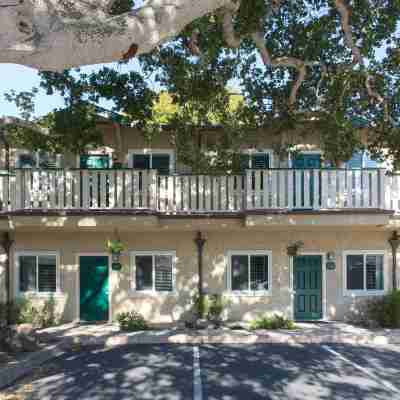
x=29 y=189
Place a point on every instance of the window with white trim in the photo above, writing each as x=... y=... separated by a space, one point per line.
x=364 y=272
x=37 y=273
x=37 y=159
x=160 y=160
x=249 y=272
x=255 y=160
x=153 y=272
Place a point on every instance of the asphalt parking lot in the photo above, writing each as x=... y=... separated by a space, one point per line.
x=218 y=372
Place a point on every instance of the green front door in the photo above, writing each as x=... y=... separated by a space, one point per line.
x=93 y=275
x=308 y=287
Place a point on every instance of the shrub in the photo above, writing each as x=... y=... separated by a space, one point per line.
x=22 y=311
x=201 y=306
x=382 y=311
x=272 y=322
x=131 y=321
x=216 y=306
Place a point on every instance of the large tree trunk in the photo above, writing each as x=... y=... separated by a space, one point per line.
x=60 y=34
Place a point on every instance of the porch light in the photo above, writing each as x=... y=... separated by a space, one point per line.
x=330 y=260
x=394 y=242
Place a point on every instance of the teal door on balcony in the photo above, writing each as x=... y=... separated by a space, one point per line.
x=306 y=161
x=307 y=274
x=93 y=278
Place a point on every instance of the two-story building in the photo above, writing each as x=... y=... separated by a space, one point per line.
x=60 y=210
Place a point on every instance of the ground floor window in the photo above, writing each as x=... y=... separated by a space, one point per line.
x=364 y=272
x=37 y=273
x=153 y=271
x=249 y=272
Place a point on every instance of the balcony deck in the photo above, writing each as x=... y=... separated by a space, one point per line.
x=315 y=190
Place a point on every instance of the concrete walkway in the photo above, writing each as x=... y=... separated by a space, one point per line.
x=73 y=336
x=323 y=332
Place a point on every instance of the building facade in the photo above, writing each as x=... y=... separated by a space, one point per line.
x=61 y=210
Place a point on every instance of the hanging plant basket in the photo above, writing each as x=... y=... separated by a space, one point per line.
x=116 y=266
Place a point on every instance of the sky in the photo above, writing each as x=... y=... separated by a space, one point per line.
x=20 y=78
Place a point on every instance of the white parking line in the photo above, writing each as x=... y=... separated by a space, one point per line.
x=383 y=382
x=197 y=385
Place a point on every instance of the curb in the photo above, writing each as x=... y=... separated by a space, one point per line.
x=11 y=373
x=226 y=338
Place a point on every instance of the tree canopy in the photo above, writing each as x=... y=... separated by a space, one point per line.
x=333 y=62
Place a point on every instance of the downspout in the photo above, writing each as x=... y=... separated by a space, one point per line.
x=7 y=243
x=394 y=242
x=200 y=241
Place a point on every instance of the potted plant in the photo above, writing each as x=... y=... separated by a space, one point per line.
x=115 y=248
x=293 y=248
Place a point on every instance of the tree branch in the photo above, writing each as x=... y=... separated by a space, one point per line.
x=54 y=35
x=344 y=12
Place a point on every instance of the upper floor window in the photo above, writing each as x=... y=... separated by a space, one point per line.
x=161 y=160
x=364 y=272
x=94 y=161
x=307 y=160
x=249 y=272
x=37 y=159
x=255 y=160
x=362 y=159
x=37 y=272
x=153 y=271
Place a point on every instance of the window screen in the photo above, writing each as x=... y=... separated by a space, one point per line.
x=144 y=272
x=47 y=273
x=163 y=273
x=27 y=273
x=240 y=272
x=355 y=272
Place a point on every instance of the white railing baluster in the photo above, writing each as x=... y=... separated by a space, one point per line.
x=111 y=189
x=85 y=190
x=382 y=189
x=18 y=191
x=224 y=193
x=100 y=182
x=365 y=189
x=249 y=190
x=11 y=188
x=290 y=188
x=52 y=189
x=374 y=191
x=307 y=189
x=153 y=190
x=119 y=189
x=193 y=193
x=178 y=193
x=332 y=189
x=357 y=189
x=201 y=192
x=257 y=189
x=207 y=193
x=317 y=190
x=27 y=187
x=341 y=196
x=129 y=187
x=299 y=188
x=282 y=188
